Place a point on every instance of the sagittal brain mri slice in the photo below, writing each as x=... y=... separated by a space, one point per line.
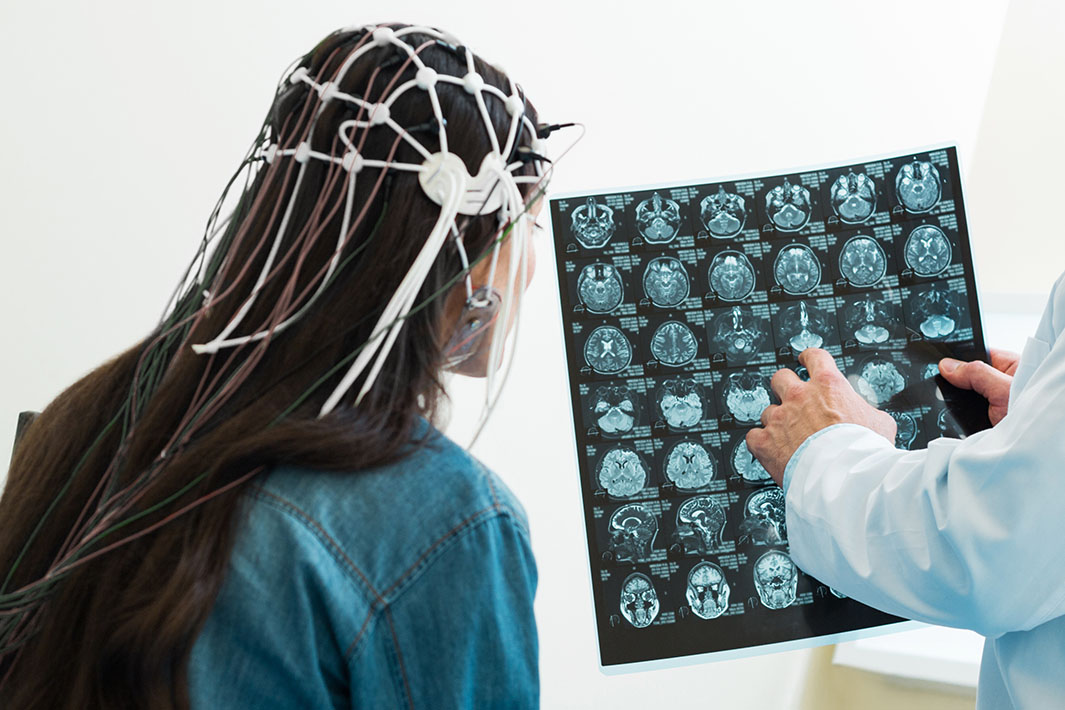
x=593 y=224
x=680 y=402
x=723 y=213
x=936 y=313
x=918 y=186
x=639 y=601
x=879 y=381
x=869 y=320
x=607 y=350
x=746 y=465
x=657 y=219
x=665 y=281
x=614 y=409
x=632 y=533
x=804 y=326
x=621 y=473
x=738 y=333
x=731 y=275
x=707 y=591
x=600 y=288
x=776 y=579
x=746 y=396
x=797 y=270
x=764 y=522
x=700 y=521
x=689 y=466
x=862 y=261
x=674 y=344
x=905 y=429
x=927 y=251
x=854 y=197
x=788 y=206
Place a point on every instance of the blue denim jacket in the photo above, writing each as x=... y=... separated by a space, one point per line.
x=405 y=586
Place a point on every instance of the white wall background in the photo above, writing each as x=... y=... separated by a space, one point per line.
x=122 y=119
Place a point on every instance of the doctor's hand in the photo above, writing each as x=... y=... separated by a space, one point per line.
x=808 y=407
x=992 y=381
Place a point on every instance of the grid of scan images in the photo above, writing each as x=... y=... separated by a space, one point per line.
x=679 y=303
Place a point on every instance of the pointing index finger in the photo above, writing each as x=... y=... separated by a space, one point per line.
x=783 y=380
x=818 y=361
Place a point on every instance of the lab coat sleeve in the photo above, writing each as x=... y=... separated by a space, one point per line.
x=965 y=533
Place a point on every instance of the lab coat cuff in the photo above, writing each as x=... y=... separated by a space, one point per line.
x=795 y=461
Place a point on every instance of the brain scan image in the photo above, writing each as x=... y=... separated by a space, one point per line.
x=776 y=579
x=935 y=312
x=764 y=522
x=854 y=197
x=607 y=350
x=788 y=206
x=930 y=371
x=905 y=429
x=689 y=466
x=723 y=213
x=869 y=319
x=797 y=269
x=862 y=261
x=707 y=591
x=804 y=326
x=917 y=186
x=674 y=344
x=700 y=521
x=593 y=224
x=621 y=473
x=738 y=333
x=680 y=402
x=632 y=533
x=879 y=381
x=927 y=251
x=600 y=288
x=614 y=409
x=746 y=396
x=658 y=220
x=731 y=276
x=746 y=465
x=665 y=281
x=639 y=601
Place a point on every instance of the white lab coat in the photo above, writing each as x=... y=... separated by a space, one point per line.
x=966 y=533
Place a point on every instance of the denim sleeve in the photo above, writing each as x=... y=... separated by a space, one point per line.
x=458 y=631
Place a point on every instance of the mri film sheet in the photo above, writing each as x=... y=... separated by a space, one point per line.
x=679 y=302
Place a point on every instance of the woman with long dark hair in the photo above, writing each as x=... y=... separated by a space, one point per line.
x=251 y=506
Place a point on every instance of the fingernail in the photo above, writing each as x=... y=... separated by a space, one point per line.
x=948 y=365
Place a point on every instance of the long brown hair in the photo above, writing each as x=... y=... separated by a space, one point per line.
x=116 y=630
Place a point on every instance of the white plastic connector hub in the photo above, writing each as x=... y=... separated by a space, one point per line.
x=383 y=36
x=303 y=152
x=327 y=91
x=379 y=114
x=353 y=162
x=515 y=106
x=270 y=153
x=425 y=78
x=473 y=82
x=441 y=174
x=299 y=75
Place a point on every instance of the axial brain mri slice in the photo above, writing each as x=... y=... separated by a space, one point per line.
x=614 y=409
x=707 y=591
x=639 y=601
x=804 y=326
x=797 y=270
x=723 y=213
x=746 y=465
x=927 y=251
x=731 y=275
x=905 y=429
x=622 y=473
x=918 y=186
x=776 y=579
x=788 y=206
x=700 y=521
x=665 y=281
x=632 y=533
x=854 y=197
x=764 y=521
x=600 y=288
x=689 y=466
x=879 y=381
x=674 y=344
x=862 y=261
x=869 y=319
x=607 y=350
x=746 y=396
x=593 y=224
x=680 y=402
x=738 y=333
x=658 y=220
x=936 y=313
